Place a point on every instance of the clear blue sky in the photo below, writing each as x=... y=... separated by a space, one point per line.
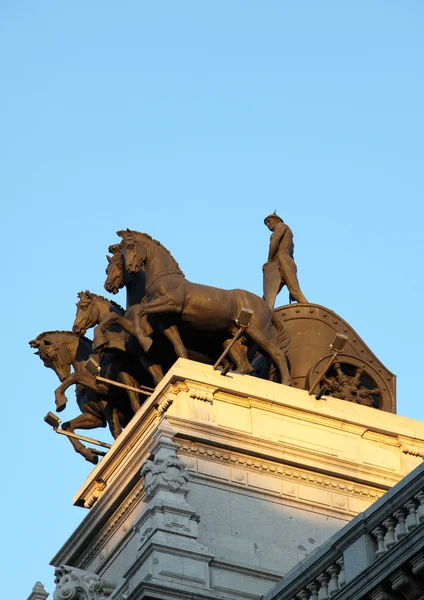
x=192 y=121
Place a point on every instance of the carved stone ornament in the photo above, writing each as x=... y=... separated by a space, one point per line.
x=76 y=584
x=38 y=592
x=166 y=471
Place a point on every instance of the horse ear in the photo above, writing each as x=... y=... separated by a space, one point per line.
x=109 y=258
x=88 y=294
x=120 y=233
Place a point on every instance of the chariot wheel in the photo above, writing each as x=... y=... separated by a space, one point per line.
x=349 y=379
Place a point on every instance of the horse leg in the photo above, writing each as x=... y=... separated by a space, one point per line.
x=155 y=371
x=111 y=415
x=173 y=335
x=134 y=398
x=115 y=426
x=84 y=421
x=158 y=305
x=238 y=355
x=112 y=319
x=273 y=351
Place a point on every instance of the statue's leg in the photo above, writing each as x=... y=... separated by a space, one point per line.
x=111 y=414
x=173 y=335
x=84 y=421
x=272 y=283
x=155 y=371
x=159 y=305
x=272 y=350
x=238 y=355
x=100 y=339
x=133 y=397
x=289 y=273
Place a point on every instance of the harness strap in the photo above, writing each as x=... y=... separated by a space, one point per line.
x=162 y=274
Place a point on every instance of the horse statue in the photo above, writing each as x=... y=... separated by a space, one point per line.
x=93 y=309
x=116 y=319
x=117 y=277
x=170 y=294
x=99 y=405
x=193 y=345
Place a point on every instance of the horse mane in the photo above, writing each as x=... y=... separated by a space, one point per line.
x=148 y=237
x=115 y=249
x=70 y=334
x=112 y=302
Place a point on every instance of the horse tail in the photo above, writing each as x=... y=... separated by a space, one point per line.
x=283 y=336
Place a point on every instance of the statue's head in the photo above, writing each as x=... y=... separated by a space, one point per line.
x=114 y=274
x=272 y=220
x=87 y=315
x=54 y=356
x=133 y=252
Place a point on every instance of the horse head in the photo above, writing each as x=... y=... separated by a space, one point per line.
x=134 y=252
x=55 y=355
x=88 y=313
x=114 y=270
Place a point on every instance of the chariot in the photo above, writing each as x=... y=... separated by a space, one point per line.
x=356 y=376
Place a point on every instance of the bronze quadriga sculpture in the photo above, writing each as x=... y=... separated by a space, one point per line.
x=167 y=317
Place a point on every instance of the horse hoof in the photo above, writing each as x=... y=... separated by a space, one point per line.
x=91 y=457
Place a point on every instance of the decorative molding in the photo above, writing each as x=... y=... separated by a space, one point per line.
x=171 y=474
x=272 y=468
x=100 y=485
x=166 y=471
x=76 y=584
x=167 y=520
x=194 y=389
x=114 y=521
x=412 y=450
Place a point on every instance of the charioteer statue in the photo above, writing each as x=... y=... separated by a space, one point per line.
x=280 y=269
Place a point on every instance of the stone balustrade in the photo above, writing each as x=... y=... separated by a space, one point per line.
x=399 y=523
x=325 y=585
x=378 y=555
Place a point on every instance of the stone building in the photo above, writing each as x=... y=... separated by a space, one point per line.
x=238 y=488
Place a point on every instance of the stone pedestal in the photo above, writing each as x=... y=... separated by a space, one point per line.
x=221 y=484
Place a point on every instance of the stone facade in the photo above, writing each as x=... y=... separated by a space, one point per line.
x=220 y=485
x=379 y=555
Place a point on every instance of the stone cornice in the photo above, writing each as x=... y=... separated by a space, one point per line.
x=290 y=454
x=254 y=463
x=265 y=397
x=110 y=526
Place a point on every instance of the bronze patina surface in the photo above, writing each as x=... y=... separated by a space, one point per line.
x=280 y=268
x=99 y=404
x=358 y=376
x=166 y=317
